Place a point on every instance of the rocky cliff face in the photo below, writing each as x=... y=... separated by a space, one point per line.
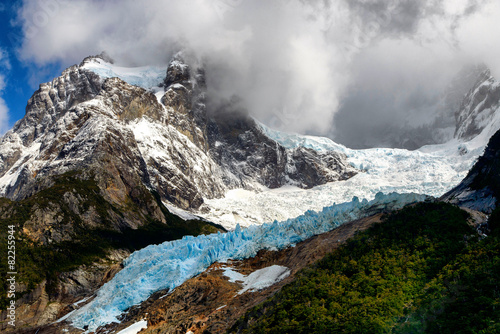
x=478 y=107
x=480 y=189
x=44 y=304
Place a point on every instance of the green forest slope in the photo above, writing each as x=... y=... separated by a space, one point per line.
x=423 y=270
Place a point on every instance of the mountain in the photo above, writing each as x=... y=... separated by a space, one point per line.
x=479 y=116
x=467 y=108
x=479 y=107
x=433 y=121
x=164 y=139
x=111 y=159
x=103 y=157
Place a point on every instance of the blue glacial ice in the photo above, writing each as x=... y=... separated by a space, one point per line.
x=168 y=265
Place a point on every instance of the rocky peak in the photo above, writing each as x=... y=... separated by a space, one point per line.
x=103 y=56
x=178 y=72
x=185 y=95
x=478 y=106
x=53 y=99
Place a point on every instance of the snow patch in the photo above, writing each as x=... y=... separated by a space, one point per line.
x=186 y=215
x=81 y=301
x=28 y=158
x=135 y=328
x=259 y=279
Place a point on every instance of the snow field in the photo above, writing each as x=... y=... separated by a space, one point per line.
x=431 y=170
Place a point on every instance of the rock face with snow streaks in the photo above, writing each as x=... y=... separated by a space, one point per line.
x=478 y=106
x=480 y=190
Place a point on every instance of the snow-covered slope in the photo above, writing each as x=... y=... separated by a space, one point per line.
x=168 y=265
x=480 y=190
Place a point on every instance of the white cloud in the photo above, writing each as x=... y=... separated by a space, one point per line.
x=291 y=61
x=270 y=53
x=479 y=37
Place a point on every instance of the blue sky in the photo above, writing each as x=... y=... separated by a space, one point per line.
x=20 y=76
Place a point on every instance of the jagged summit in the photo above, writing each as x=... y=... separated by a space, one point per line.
x=102 y=56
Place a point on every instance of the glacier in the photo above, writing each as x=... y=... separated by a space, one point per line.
x=431 y=170
x=168 y=265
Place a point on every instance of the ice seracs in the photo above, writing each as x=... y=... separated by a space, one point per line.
x=431 y=170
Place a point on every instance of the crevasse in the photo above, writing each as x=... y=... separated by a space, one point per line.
x=169 y=264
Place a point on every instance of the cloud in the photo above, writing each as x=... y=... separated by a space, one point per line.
x=4 y=116
x=297 y=65
x=400 y=82
x=478 y=37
